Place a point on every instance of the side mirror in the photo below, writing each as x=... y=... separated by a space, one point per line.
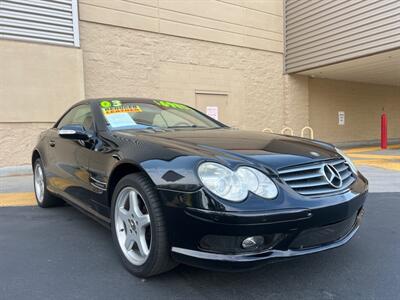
x=73 y=132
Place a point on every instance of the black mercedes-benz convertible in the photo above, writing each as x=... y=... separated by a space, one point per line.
x=175 y=185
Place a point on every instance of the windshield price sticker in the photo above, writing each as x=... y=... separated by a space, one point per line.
x=122 y=109
x=120 y=120
x=169 y=104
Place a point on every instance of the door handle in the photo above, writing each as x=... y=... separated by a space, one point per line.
x=52 y=143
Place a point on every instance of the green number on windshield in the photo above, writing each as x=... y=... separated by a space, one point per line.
x=116 y=103
x=105 y=104
x=171 y=104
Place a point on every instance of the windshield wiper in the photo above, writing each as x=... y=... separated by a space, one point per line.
x=153 y=127
x=187 y=126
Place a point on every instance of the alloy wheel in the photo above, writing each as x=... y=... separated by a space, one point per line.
x=39 y=183
x=132 y=225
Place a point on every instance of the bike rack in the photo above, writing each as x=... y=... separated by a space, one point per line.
x=268 y=130
x=311 y=131
x=291 y=132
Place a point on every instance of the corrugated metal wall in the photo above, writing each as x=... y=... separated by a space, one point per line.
x=322 y=32
x=50 y=21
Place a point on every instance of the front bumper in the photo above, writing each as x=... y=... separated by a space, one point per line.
x=323 y=224
x=245 y=261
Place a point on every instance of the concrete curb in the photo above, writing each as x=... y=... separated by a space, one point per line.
x=16 y=171
x=366 y=143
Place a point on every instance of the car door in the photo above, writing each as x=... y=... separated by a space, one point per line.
x=71 y=157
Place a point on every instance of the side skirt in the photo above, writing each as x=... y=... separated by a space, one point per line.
x=106 y=222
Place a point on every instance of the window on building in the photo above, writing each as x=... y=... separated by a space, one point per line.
x=49 y=21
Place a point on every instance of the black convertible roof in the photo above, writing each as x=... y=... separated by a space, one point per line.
x=123 y=99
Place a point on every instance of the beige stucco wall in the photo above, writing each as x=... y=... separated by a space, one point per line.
x=121 y=61
x=17 y=142
x=39 y=80
x=296 y=103
x=37 y=83
x=126 y=62
x=362 y=104
x=249 y=23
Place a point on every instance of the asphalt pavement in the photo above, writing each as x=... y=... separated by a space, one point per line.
x=59 y=253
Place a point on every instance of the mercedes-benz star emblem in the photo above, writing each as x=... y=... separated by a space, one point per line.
x=332 y=176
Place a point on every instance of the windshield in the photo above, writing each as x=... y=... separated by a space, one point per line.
x=159 y=114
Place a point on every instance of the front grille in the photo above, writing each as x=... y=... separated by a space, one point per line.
x=311 y=179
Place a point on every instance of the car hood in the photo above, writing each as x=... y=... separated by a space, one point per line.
x=230 y=145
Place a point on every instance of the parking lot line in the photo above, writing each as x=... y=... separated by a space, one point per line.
x=361 y=157
x=17 y=199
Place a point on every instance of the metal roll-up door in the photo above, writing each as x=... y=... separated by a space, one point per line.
x=322 y=32
x=49 y=21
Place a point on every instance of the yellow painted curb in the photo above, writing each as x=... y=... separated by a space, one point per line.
x=17 y=199
x=361 y=157
x=378 y=163
x=368 y=149
x=374 y=156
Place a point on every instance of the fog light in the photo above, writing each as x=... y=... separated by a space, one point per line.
x=252 y=242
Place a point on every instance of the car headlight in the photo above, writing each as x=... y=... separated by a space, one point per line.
x=348 y=160
x=235 y=185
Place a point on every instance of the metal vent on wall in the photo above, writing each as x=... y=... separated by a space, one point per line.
x=49 y=21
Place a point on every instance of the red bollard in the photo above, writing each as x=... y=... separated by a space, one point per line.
x=384 y=137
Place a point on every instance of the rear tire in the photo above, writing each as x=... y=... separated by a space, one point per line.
x=138 y=227
x=43 y=197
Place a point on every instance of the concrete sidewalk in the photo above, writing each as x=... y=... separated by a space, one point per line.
x=15 y=170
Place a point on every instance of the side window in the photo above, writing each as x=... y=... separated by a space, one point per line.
x=80 y=115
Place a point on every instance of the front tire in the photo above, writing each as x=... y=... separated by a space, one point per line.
x=138 y=227
x=43 y=197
